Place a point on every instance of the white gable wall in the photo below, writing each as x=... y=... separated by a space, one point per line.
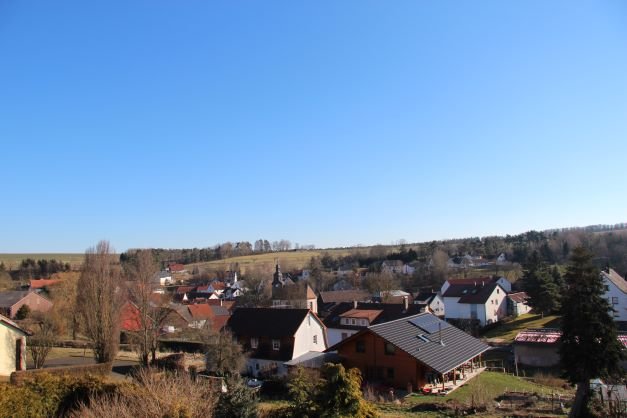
x=303 y=339
x=617 y=299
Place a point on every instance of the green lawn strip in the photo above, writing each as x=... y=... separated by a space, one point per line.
x=508 y=330
x=487 y=386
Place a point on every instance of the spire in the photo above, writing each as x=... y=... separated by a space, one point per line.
x=278 y=277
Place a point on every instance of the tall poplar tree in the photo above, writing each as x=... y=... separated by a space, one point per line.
x=589 y=345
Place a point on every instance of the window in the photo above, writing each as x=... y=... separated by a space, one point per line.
x=389 y=349
x=360 y=346
x=311 y=305
x=352 y=322
x=497 y=291
x=614 y=300
x=315 y=339
x=390 y=373
x=257 y=366
x=276 y=344
x=344 y=335
x=309 y=320
x=254 y=342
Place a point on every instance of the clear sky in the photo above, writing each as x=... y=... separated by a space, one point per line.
x=188 y=123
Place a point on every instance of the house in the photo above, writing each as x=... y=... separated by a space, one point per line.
x=13 y=346
x=348 y=318
x=411 y=352
x=11 y=301
x=392 y=266
x=502 y=281
x=162 y=278
x=176 y=268
x=328 y=299
x=39 y=285
x=616 y=293
x=130 y=317
x=539 y=347
x=287 y=294
x=474 y=299
x=517 y=304
x=430 y=302
x=271 y=337
x=203 y=314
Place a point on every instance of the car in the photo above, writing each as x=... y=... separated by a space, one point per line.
x=254 y=383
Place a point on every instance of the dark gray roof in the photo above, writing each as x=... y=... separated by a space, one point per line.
x=456 y=349
x=11 y=297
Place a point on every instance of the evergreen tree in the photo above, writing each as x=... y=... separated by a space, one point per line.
x=540 y=285
x=589 y=344
x=237 y=402
x=340 y=394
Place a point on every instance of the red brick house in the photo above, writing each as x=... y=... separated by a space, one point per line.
x=11 y=301
x=415 y=350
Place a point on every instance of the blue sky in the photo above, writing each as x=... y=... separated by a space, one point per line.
x=182 y=124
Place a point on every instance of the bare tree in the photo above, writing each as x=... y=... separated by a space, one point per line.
x=100 y=297
x=43 y=338
x=224 y=355
x=65 y=308
x=142 y=271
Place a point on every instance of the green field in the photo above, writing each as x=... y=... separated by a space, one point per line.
x=13 y=260
x=506 y=332
x=287 y=259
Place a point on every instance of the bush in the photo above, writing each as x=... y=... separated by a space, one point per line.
x=23 y=312
x=45 y=395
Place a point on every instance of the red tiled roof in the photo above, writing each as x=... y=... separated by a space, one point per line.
x=368 y=314
x=520 y=297
x=218 y=285
x=185 y=289
x=41 y=283
x=200 y=311
x=174 y=267
x=130 y=317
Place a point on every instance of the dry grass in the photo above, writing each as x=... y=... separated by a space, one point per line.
x=154 y=395
x=288 y=260
x=507 y=331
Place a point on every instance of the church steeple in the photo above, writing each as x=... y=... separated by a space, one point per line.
x=278 y=277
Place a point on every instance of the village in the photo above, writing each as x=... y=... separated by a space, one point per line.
x=419 y=347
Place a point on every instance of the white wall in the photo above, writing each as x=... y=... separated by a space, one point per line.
x=437 y=306
x=497 y=310
x=614 y=292
x=334 y=335
x=8 y=338
x=303 y=340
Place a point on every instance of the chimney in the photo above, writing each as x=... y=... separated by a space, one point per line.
x=354 y=304
x=406 y=302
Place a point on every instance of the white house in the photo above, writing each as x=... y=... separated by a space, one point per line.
x=518 y=303
x=271 y=337
x=163 y=278
x=483 y=301
x=12 y=348
x=616 y=293
x=430 y=302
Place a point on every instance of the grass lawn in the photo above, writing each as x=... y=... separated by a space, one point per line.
x=13 y=260
x=506 y=332
x=484 y=388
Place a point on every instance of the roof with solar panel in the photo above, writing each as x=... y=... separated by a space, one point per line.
x=430 y=340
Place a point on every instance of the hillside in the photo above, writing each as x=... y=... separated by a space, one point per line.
x=13 y=260
x=287 y=259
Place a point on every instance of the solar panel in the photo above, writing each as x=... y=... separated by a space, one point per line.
x=429 y=323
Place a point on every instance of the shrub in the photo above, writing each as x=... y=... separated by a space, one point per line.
x=154 y=395
x=45 y=395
